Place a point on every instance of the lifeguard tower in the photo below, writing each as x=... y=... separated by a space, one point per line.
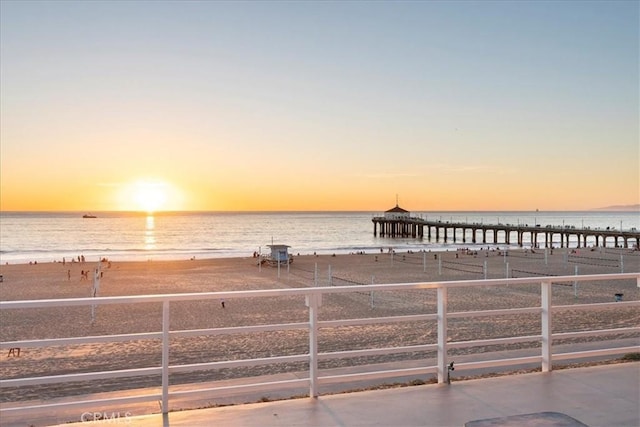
x=279 y=255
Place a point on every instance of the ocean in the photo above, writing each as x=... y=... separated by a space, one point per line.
x=126 y=236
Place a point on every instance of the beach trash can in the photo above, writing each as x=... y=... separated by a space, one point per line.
x=618 y=297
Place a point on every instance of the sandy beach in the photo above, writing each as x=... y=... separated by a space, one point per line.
x=55 y=280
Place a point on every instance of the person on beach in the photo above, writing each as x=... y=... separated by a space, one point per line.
x=222 y=303
x=69 y=275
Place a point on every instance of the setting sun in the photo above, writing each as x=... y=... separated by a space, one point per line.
x=149 y=196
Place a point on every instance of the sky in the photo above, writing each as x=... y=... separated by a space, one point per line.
x=233 y=106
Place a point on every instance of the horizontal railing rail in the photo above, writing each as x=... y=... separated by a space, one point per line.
x=313 y=299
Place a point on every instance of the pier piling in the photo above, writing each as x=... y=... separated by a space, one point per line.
x=501 y=233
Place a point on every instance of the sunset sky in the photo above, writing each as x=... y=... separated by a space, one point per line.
x=319 y=105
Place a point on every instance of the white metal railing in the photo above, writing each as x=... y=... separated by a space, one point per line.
x=313 y=297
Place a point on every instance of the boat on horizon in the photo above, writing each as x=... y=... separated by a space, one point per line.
x=89 y=216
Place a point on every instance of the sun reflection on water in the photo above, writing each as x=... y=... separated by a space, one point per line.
x=149 y=235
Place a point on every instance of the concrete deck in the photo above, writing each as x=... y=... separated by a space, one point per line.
x=599 y=396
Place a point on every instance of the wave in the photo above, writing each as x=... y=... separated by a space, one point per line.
x=140 y=249
x=115 y=254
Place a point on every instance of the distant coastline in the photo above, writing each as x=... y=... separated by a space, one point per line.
x=620 y=208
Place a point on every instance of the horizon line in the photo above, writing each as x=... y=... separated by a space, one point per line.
x=615 y=208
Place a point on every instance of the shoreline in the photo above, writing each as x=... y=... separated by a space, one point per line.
x=404 y=247
x=398 y=246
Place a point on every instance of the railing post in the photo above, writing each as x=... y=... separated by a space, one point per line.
x=442 y=334
x=546 y=325
x=165 y=357
x=313 y=301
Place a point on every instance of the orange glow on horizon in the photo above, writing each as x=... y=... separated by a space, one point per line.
x=229 y=193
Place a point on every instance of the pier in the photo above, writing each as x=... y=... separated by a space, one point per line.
x=397 y=223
